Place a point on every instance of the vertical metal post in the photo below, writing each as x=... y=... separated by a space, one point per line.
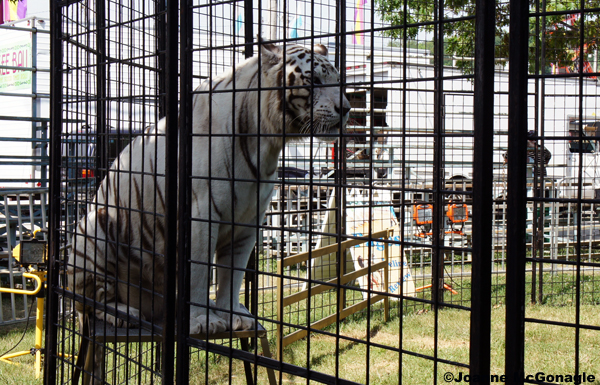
x=35 y=102
x=170 y=74
x=580 y=176
x=161 y=43
x=101 y=81
x=437 y=230
x=539 y=180
x=185 y=169
x=56 y=80
x=516 y=199
x=44 y=155
x=340 y=150
x=253 y=262
x=483 y=168
x=248 y=29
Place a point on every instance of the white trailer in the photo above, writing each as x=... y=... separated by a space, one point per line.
x=407 y=127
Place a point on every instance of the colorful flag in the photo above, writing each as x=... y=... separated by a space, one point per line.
x=359 y=20
x=295 y=26
x=17 y=9
x=12 y=10
x=239 y=22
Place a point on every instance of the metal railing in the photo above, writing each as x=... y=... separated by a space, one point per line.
x=22 y=211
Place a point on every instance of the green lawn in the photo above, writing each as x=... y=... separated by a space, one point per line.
x=549 y=349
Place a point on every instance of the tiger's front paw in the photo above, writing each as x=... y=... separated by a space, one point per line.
x=236 y=322
x=211 y=324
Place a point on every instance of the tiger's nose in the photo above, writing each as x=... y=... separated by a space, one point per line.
x=345 y=110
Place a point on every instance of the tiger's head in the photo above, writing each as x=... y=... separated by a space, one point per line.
x=307 y=91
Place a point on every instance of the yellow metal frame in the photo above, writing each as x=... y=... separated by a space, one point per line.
x=40 y=278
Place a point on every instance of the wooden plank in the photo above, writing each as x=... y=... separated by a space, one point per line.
x=302 y=257
x=299 y=334
x=318 y=289
x=283 y=341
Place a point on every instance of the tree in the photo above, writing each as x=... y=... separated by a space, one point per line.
x=554 y=38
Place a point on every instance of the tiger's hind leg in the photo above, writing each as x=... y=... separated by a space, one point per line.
x=95 y=365
x=90 y=358
x=99 y=363
x=92 y=268
x=103 y=291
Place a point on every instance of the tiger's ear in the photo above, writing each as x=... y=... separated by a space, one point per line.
x=320 y=49
x=269 y=52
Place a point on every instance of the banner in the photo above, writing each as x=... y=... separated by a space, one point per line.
x=325 y=268
x=357 y=257
x=382 y=217
x=15 y=52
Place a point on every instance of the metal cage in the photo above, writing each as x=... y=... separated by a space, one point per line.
x=402 y=245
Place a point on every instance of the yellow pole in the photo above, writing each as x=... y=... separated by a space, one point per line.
x=39 y=330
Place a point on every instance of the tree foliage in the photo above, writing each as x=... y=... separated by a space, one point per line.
x=558 y=30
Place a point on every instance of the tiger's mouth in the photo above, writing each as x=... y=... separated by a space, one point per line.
x=323 y=128
x=340 y=125
x=337 y=127
x=330 y=133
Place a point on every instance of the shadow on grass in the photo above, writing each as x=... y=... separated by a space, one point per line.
x=319 y=360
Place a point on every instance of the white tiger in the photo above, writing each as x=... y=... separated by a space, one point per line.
x=116 y=258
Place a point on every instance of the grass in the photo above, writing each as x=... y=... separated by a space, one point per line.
x=22 y=372
x=549 y=349
x=418 y=336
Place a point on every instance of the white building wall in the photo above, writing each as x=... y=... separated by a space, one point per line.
x=23 y=94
